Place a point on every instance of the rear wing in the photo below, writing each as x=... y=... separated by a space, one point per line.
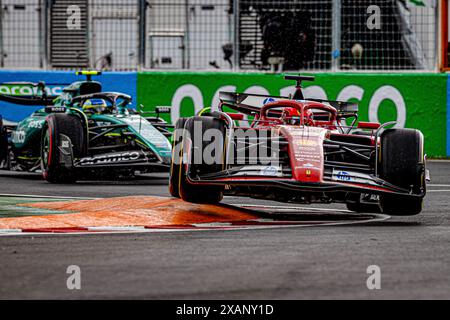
x=250 y=104
x=28 y=100
x=344 y=108
x=247 y=103
x=38 y=98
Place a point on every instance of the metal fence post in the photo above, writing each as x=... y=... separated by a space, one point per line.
x=186 y=44
x=142 y=33
x=441 y=29
x=236 y=53
x=43 y=30
x=336 y=35
x=2 y=62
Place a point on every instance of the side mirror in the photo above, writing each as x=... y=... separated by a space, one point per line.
x=236 y=116
x=368 y=125
x=162 y=109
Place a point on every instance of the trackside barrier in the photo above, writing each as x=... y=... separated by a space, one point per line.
x=448 y=118
x=419 y=101
x=413 y=100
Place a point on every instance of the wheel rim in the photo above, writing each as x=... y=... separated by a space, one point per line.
x=45 y=148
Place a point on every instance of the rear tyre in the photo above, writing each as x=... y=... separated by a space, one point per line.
x=177 y=140
x=201 y=193
x=403 y=165
x=55 y=125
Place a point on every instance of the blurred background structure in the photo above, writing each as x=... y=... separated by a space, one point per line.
x=322 y=35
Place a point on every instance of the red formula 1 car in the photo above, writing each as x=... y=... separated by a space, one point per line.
x=301 y=151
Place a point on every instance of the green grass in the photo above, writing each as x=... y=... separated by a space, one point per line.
x=10 y=207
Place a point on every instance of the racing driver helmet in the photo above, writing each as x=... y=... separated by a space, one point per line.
x=94 y=106
x=292 y=116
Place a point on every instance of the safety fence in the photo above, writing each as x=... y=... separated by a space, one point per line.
x=259 y=35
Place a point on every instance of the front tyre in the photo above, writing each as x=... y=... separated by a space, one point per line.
x=56 y=125
x=197 y=167
x=403 y=165
x=177 y=140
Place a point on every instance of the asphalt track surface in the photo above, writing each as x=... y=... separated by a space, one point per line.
x=322 y=262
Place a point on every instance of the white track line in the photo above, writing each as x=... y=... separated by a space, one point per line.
x=44 y=197
x=141 y=229
x=289 y=208
x=438 y=160
x=118 y=228
x=10 y=230
x=376 y=218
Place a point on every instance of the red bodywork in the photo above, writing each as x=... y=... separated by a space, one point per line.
x=305 y=141
x=315 y=142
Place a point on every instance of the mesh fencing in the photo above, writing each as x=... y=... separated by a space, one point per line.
x=296 y=34
x=405 y=37
x=114 y=29
x=284 y=35
x=188 y=34
x=21 y=42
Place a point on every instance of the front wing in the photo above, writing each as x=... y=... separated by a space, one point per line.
x=371 y=185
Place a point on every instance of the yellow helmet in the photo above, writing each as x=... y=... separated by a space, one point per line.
x=94 y=106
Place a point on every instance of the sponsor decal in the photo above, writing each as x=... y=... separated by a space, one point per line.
x=304 y=133
x=268 y=100
x=351 y=176
x=308 y=149
x=270 y=171
x=367 y=197
x=65 y=144
x=18 y=136
x=117 y=157
x=343 y=176
x=102 y=123
x=311 y=157
x=308 y=143
x=36 y=124
x=308 y=165
x=27 y=90
x=54 y=109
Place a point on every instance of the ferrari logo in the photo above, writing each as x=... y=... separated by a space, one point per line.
x=308 y=172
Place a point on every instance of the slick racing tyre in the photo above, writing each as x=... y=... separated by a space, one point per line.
x=56 y=125
x=3 y=144
x=201 y=193
x=177 y=140
x=402 y=164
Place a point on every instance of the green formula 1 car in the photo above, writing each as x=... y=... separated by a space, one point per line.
x=82 y=133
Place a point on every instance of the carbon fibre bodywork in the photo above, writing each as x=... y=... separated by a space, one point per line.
x=116 y=139
x=315 y=158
